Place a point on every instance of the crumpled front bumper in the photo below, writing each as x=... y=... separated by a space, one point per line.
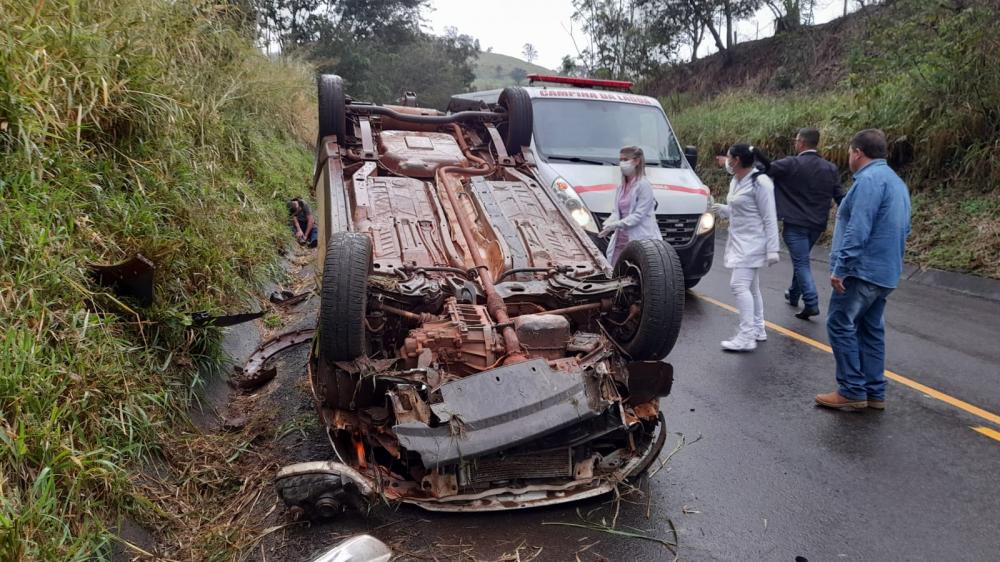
x=500 y=409
x=495 y=499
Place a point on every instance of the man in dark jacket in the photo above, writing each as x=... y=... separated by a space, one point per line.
x=805 y=185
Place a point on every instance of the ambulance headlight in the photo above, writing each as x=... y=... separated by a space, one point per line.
x=706 y=223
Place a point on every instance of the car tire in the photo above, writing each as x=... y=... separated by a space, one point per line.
x=344 y=297
x=661 y=290
x=332 y=107
x=516 y=130
x=690 y=282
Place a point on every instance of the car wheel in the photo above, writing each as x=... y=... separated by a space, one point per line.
x=646 y=320
x=344 y=297
x=690 y=282
x=318 y=496
x=516 y=130
x=332 y=107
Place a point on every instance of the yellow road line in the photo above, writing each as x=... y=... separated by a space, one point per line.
x=987 y=432
x=937 y=394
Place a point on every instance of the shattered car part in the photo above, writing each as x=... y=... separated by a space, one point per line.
x=474 y=350
x=205 y=319
x=288 y=298
x=131 y=278
x=253 y=374
x=543 y=400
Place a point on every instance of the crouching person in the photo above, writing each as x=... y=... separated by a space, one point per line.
x=303 y=223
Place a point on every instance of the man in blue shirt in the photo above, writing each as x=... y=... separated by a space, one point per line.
x=866 y=261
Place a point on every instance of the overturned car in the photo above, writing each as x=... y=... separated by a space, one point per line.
x=474 y=349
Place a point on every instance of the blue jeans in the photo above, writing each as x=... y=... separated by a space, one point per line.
x=800 y=241
x=856 y=329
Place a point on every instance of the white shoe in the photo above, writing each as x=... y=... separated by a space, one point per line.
x=739 y=343
x=760 y=334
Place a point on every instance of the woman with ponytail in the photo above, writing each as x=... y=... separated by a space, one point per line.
x=752 y=242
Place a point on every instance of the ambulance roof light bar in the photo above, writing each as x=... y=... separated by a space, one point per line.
x=581 y=82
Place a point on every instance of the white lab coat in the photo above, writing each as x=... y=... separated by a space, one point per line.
x=753 y=222
x=640 y=222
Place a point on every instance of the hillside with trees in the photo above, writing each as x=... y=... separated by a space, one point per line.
x=494 y=70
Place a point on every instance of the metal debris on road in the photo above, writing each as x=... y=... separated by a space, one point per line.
x=132 y=278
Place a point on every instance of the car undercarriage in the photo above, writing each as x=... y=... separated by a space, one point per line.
x=474 y=350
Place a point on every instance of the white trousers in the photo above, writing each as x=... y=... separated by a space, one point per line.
x=745 y=284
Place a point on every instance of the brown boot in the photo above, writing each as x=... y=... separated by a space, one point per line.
x=838 y=402
x=876 y=404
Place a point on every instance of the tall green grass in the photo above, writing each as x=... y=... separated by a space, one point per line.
x=956 y=216
x=125 y=126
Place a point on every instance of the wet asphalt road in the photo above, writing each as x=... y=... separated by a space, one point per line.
x=773 y=477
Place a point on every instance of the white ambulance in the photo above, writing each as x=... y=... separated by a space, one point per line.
x=579 y=125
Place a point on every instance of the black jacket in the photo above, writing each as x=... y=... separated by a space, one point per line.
x=804 y=186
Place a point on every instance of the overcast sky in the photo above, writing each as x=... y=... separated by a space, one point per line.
x=506 y=25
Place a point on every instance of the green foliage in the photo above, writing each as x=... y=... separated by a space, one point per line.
x=152 y=127
x=626 y=41
x=433 y=67
x=933 y=79
x=378 y=48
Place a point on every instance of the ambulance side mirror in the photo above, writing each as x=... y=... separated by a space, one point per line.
x=691 y=153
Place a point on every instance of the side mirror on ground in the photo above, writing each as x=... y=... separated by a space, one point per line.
x=691 y=153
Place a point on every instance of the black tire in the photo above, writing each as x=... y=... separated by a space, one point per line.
x=516 y=130
x=344 y=297
x=661 y=292
x=332 y=107
x=690 y=282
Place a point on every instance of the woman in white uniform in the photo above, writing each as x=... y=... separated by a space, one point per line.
x=752 y=242
x=632 y=217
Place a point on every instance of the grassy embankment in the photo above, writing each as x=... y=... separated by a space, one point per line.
x=126 y=127
x=934 y=88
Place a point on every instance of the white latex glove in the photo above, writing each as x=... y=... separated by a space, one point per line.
x=720 y=210
x=772 y=258
x=612 y=224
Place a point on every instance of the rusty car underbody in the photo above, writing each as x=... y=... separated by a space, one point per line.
x=474 y=351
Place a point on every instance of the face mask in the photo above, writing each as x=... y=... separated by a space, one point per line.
x=729 y=168
x=627 y=166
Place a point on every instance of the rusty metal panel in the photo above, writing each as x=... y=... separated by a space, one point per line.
x=544 y=233
x=402 y=219
x=333 y=208
x=418 y=153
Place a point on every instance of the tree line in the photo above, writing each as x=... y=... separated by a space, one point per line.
x=377 y=46
x=630 y=39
